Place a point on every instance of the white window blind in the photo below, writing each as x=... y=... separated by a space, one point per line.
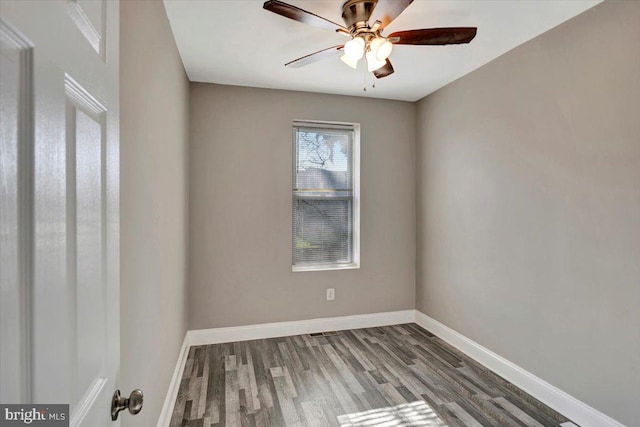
x=325 y=196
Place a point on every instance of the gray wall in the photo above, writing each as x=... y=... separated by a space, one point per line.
x=154 y=96
x=240 y=208
x=528 y=207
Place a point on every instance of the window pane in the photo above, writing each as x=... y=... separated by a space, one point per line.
x=322 y=230
x=323 y=159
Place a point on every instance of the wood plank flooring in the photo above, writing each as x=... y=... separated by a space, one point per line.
x=398 y=375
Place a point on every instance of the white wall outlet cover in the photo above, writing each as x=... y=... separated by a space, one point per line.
x=331 y=294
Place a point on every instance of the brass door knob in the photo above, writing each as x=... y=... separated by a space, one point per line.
x=133 y=403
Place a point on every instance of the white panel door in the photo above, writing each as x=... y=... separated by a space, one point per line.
x=59 y=217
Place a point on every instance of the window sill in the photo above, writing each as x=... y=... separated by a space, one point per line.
x=325 y=267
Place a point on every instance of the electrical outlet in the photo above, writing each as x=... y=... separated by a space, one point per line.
x=331 y=294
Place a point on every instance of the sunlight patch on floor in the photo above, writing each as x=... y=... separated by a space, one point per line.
x=407 y=414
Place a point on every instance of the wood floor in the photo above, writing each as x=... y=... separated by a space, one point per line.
x=390 y=376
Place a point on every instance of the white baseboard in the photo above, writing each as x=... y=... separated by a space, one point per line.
x=271 y=330
x=174 y=385
x=283 y=329
x=567 y=405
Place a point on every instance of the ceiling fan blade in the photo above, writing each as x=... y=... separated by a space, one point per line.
x=384 y=71
x=388 y=10
x=301 y=15
x=434 y=36
x=313 y=57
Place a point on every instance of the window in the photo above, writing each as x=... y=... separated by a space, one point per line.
x=325 y=196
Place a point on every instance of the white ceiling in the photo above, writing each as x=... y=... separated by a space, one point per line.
x=236 y=42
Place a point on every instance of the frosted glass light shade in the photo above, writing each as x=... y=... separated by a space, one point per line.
x=375 y=44
x=350 y=62
x=381 y=48
x=354 y=48
x=374 y=63
x=384 y=50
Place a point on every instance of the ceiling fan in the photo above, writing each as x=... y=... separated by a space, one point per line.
x=364 y=22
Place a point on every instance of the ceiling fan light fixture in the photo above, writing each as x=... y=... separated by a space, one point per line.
x=350 y=62
x=354 y=48
x=374 y=63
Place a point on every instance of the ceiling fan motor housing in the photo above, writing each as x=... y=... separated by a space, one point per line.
x=357 y=12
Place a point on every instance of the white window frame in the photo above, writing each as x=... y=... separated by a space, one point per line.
x=355 y=172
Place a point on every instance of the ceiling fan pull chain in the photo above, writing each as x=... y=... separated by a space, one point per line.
x=364 y=80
